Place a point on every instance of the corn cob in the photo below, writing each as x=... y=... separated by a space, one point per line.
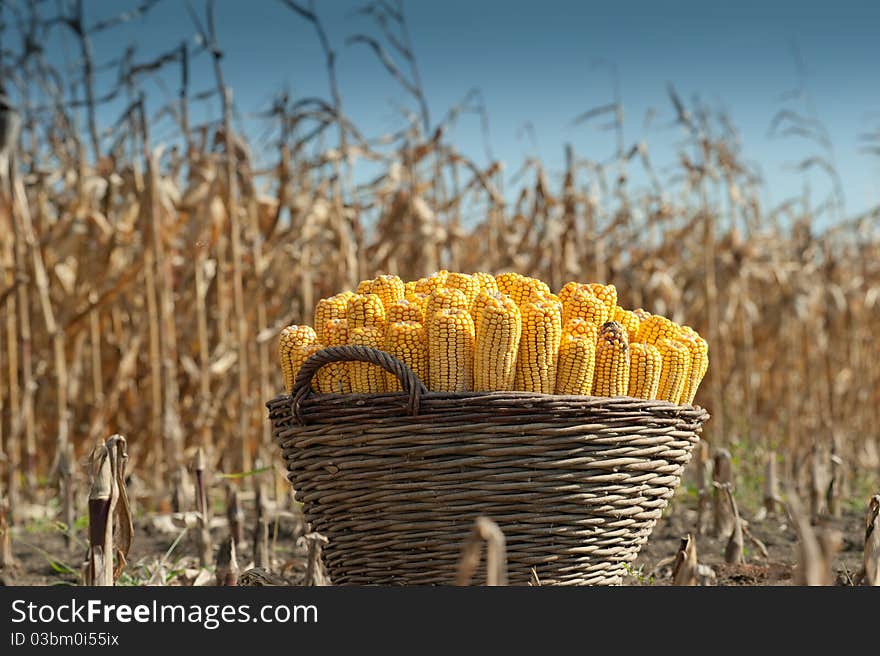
x=365 y=311
x=290 y=339
x=538 y=347
x=576 y=364
x=641 y=313
x=655 y=328
x=607 y=294
x=674 y=374
x=366 y=378
x=645 y=364
x=699 y=351
x=433 y=282
x=486 y=281
x=498 y=332
x=338 y=378
x=365 y=287
x=451 y=350
x=567 y=290
x=322 y=381
x=333 y=307
x=507 y=282
x=628 y=320
x=481 y=301
x=389 y=289
x=580 y=328
x=444 y=299
x=404 y=310
x=612 y=361
x=583 y=304
x=409 y=288
x=406 y=341
x=467 y=285
x=530 y=290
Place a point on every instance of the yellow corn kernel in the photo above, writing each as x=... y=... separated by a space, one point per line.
x=655 y=328
x=583 y=304
x=444 y=298
x=366 y=378
x=480 y=302
x=498 y=333
x=338 y=377
x=612 y=361
x=486 y=281
x=365 y=286
x=333 y=307
x=645 y=364
x=538 y=347
x=389 y=289
x=290 y=339
x=507 y=282
x=567 y=290
x=581 y=328
x=466 y=284
x=406 y=340
x=699 y=351
x=607 y=294
x=674 y=374
x=433 y=282
x=451 y=350
x=628 y=320
x=404 y=310
x=576 y=364
x=409 y=288
x=365 y=311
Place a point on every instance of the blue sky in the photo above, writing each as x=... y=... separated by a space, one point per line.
x=536 y=62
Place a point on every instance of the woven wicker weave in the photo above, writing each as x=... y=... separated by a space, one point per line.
x=396 y=480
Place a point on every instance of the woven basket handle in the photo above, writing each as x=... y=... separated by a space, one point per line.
x=302 y=385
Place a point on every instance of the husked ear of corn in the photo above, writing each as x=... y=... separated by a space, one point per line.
x=388 y=288
x=444 y=298
x=290 y=339
x=608 y=295
x=538 y=347
x=365 y=286
x=656 y=327
x=531 y=290
x=406 y=340
x=486 y=281
x=581 y=328
x=699 y=350
x=481 y=301
x=404 y=310
x=642 y=314
x=365 y=311
x=612 y=361
x=645 y=364
x=576 y=364
x=366 y=378
x=628 y=320
x=583 y=304
x=498 y=332
x=676 y=366
x=409 y=288
x=567 y=290
x=466 y=284
x=333 y=307
x=433 y=282
x=322 y=381
x=451 y=350
x=507 y=282
x=337 y=378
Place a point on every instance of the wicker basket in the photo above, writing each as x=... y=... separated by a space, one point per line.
x=395 y=480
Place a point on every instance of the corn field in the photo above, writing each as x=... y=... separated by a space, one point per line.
x=144 y=282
